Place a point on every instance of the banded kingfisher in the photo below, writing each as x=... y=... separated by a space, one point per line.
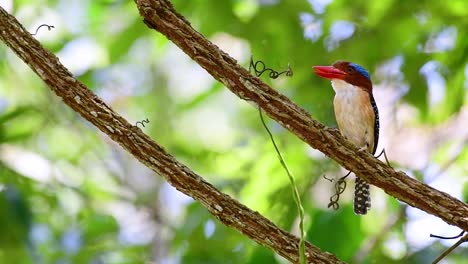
x=356 y=114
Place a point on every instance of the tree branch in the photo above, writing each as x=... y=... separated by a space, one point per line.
x=450 y=249
x=83 y=101
x=160 y=15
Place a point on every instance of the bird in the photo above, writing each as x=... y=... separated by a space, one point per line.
x=356 y=114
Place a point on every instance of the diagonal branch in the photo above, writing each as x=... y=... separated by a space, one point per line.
x=83 y=101
x=161 y=16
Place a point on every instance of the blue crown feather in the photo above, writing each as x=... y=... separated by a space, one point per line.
x=361 y=70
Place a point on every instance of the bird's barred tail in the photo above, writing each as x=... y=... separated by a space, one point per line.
x=362 y=200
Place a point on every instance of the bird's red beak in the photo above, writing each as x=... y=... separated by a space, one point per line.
x=329 y=72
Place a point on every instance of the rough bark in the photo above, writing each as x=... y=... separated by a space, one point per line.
x=161 y=16
x=83 y=101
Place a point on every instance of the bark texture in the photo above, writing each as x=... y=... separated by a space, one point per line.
x=161 y=16
x=83 y=101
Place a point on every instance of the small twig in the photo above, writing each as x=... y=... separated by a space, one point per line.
x=385 y=156
x=142 y=122
x=340 y=187
x=328 y=179
x=450 y=249
x=49 y=27
x=296 y=196
x=259 y=68
x=453 y=237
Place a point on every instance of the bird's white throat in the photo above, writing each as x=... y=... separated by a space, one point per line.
x=342 y=88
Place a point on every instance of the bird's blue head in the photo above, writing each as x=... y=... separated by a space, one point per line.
x=361 y=70
x=350 y=72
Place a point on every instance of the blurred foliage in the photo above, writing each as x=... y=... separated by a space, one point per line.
x=70 y=195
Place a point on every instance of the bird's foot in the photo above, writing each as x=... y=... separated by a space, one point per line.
x=333 y=130
x=362 y=149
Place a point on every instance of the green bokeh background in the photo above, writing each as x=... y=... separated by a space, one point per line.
x=71 y=195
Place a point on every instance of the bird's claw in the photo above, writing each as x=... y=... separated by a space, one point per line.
x=362 y=149
x=333 y=130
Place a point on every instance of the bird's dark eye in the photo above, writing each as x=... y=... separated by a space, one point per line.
x=350 y=69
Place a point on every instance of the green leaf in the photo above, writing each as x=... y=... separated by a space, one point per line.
x=338 y=232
